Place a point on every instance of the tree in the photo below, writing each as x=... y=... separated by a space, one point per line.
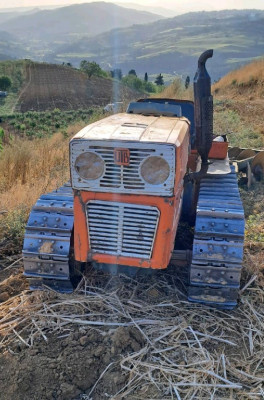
x=132 y=72
x=133 y=82
x=91 y=68
x=5 y=82
x=83 y=65
x=159 y=80
x=187 y=82
x=116 y=73
x=146 y=77
x=149 y=87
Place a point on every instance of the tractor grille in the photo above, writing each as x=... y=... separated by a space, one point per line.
x=122 y=229
x=121 y=178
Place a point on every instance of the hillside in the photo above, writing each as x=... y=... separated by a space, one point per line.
x=42 y=87
x=240 y=103
x=247 y=81
x=11 y=47
x=172 y=45
x=66 y=23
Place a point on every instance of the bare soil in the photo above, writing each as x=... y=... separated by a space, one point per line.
x=62 y=367
x=65 y=368
x=73 y=347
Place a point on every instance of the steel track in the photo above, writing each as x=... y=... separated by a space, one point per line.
x=218 y=242
x=47 y=242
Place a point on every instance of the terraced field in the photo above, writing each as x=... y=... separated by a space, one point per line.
x=50 y=86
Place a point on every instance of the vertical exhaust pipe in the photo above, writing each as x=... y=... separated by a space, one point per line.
x=203 y=109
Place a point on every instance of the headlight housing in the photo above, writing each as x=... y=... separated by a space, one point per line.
x=89 y=166
x=155 y=170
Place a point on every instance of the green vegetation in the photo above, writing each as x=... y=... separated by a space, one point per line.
x=92 y=69
x=40 y=124
x=13 y=226
x=136 y=83
x=15 y=72
x=187 y=82
x=173 y=46
x=5 y=82
x=240 y=133
x=132 y=72
x=159 y=80
x=116 y=74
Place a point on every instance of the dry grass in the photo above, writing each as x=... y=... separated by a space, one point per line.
x=176 y=91
x=251 y=75
x=190 y=351
x=31 y=167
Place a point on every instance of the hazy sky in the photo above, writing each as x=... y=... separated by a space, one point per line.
x=171 y=4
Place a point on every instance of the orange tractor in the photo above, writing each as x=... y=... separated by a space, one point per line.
x=133 y=175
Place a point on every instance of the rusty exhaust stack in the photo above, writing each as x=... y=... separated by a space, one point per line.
x=203 y=110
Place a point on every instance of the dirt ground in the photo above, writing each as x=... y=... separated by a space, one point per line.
x=44 y=357
x=63 y=366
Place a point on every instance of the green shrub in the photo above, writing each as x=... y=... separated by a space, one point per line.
x=12 y=225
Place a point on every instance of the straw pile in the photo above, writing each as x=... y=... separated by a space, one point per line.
x=190 y=351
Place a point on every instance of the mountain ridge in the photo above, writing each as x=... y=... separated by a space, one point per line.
x=172 y=45
x=60 y=23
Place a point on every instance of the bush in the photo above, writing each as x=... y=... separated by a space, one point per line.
x=5 y=82
x=149 y=87
x=13 y=226
x=133 y=82
x=138 y=84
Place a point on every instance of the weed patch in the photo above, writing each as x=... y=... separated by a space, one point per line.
x=33 y=124
x=229 y=121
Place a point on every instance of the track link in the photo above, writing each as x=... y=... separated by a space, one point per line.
x=218 y=242
x=46 y=248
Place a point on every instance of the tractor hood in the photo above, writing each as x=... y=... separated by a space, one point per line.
x=137 y=128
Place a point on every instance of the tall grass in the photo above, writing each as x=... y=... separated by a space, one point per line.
x=31 y=167
x=247 y=76
x=176 y=91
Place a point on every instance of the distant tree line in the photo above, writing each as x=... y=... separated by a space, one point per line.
x=91 y=68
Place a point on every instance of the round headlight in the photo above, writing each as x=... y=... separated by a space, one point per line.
x=89 y=166
x=155 y=170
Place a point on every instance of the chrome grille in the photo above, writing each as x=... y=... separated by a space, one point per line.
x=124 y=179
x=122 y=229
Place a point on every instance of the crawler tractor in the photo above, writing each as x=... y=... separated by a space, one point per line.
x=132 y=176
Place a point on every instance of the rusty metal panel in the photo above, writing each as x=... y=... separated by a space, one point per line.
x=123 y=178
x=122 y=229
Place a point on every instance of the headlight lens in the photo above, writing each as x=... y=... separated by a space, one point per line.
x=155 y=170
x=89 y=166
